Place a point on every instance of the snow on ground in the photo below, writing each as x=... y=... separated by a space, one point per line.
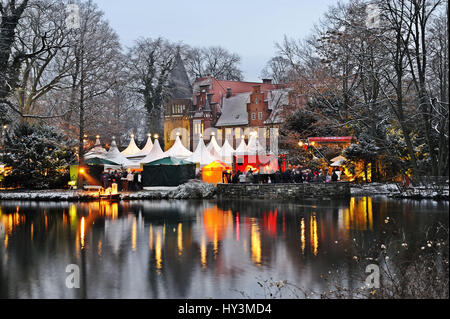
x=192 y=190
x=374 y=189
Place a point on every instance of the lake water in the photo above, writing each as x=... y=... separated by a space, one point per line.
x=191 y=249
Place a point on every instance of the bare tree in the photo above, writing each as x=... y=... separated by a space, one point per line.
x=214 y=61
x=279 y=70
x=11 y=12
x=43 y=23
x=95 y=51
x=149 y=65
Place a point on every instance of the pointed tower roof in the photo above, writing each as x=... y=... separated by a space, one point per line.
x=242 y=148
x=146 y=150
x=179 y=84
x=201 y=155
x=132 y=148
x=155 y=154
x=115 y=155
x=213 y=147
x=227 y=152
x=96 y=151
x=178 y=150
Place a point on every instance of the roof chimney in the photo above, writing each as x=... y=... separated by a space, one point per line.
x=229 y=93
x=267 y=81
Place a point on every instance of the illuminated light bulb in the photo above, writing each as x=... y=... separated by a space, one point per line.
x=178 y=133
x=82 y=170
x=149 y=135
x=213 y=134
x=98 y=136
x=156 y=136
x=132 y=135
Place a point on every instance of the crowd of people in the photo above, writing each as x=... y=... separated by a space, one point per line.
x=125 y=180
x=293 y=174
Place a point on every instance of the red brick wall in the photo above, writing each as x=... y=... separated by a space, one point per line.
x=256 y=106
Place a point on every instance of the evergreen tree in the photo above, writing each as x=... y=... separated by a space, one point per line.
x=39 y=156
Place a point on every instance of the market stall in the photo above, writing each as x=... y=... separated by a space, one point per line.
x=213 y=172
x=168 y=171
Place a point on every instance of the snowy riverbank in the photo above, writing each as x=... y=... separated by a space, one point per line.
x=199 y=190
x=191 y=190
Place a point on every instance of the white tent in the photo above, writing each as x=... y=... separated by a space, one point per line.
x=178 y=150
x=338 y=163
x=132 y=148
x=114 y=155
x=146 y=150
x=255 y=147
x=96 y=151
x=242 y=148
x=338 y=158
x=201 y=155
x=155 y=154
x=213 y=147
x=226 y=153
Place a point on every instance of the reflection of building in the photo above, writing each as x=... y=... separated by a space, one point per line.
x=359 y=215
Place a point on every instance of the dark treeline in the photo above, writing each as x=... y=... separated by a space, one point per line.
x=377 y=70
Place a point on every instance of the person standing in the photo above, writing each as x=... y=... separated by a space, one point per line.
x=334 y=177
x=130 y=179
x=136 y=181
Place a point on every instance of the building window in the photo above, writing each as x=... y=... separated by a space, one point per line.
x=253 y=116
x=237 y=133
x=228 y=133
x=198 y=127
x=260 y=115
x=256 y=100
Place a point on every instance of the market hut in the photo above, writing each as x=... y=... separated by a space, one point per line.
x=92 y=170
x=145 y=151
x=132 y=148
x=178 y=150
x=226 y=153
x=96 y=151
x=114 y=155
x=168 y=171
x=242 y=148
x=155 y=154
x=201 y=156
x=212 y=173
x=213 y=147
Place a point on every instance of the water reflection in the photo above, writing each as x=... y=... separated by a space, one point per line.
x=184 y=249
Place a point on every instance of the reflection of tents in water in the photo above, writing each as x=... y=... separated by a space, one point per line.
x=168 y=171
x=216 y=223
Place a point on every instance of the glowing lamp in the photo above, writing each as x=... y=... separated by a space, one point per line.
x=132 y=135
x=98 y=136
x=156 y=136
x=114 y=188
x=149 y=135
x=82 y=170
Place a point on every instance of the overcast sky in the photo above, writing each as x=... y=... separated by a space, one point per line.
x=247 y=27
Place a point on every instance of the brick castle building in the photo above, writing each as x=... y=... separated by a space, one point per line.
x=229 y=109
